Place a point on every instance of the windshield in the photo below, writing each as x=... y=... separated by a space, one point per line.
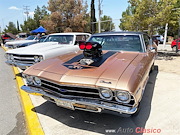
x=119 y=42
x=30 y=37
x=61 y=39
x=42 y=38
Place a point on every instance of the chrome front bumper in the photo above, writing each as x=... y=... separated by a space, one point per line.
x=20 y=65
x=100 y=106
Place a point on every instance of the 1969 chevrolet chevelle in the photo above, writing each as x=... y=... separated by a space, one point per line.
x=108 y=74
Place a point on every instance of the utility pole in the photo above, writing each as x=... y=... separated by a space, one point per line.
x=93 y=18
x=99 y=22
x=165 y=35
x=26 y=10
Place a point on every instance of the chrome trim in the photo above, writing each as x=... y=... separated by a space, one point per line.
x=25 y=58
x=94 y=103
x=117 y=99
x=78 y=96
x=142 y=43
x=16 y=64
x=68 y=90
x=69 y=85
x=98 y=109
x=68 y=96
x=20 y=60
x=101 y=96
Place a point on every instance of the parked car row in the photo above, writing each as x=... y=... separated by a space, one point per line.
x=22 y=43
x=7 y=37
x=107 y=72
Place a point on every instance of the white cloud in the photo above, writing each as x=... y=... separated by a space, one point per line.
x=14 y=8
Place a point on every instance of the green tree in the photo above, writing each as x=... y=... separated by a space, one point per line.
x=127 y=19
x=34 y=23
x=107 y=24
x=18 y=26
x=66 y=16
x=174 y=20
x=28 y=25
x=11 y=28
x=149 y=15
x=39 y=14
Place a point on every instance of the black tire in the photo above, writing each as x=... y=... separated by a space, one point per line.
x=152 y=68
x=174 y=48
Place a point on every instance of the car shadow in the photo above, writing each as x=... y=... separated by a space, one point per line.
x=103 y=123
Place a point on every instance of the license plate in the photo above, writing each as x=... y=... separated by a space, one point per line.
x=64 y=104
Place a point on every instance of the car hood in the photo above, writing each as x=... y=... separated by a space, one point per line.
x=106 y=73
x=19 y=42
x=38 y=48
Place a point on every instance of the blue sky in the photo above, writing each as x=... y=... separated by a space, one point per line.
x=13 y=10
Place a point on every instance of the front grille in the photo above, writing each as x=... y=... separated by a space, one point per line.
x=77 y=92
x=10 y=46
x=25 y=59
x=70 y=90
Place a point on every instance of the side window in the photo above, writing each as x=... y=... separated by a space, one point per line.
x=87 y=36
x=80 y=38
x=146 y=40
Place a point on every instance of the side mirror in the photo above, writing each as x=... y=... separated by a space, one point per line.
x=152 y=49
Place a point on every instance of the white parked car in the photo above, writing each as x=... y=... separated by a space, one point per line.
x=22 y=43
x=54 y=45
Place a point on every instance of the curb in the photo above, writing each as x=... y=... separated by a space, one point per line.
x=33 y=124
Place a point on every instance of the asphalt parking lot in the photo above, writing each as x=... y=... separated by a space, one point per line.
x=11 y=113
x=159 y=110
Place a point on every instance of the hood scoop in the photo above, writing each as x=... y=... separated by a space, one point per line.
x=92 y=57
x=92 y=52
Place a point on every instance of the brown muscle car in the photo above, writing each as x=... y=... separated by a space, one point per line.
x=109 y=74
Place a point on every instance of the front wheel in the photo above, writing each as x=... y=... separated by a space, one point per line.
x=174 y=48
x=152 y=68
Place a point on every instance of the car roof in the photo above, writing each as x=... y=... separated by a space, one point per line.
x=71 y=33
x=119 y=33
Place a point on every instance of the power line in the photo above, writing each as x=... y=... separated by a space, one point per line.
x=26 y=10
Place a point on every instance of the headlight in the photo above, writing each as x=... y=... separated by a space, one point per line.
x=105 y=93
x=29 y=79
x=11 y=57
x=123 y=96
x=37 y=81
x=38 y=59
